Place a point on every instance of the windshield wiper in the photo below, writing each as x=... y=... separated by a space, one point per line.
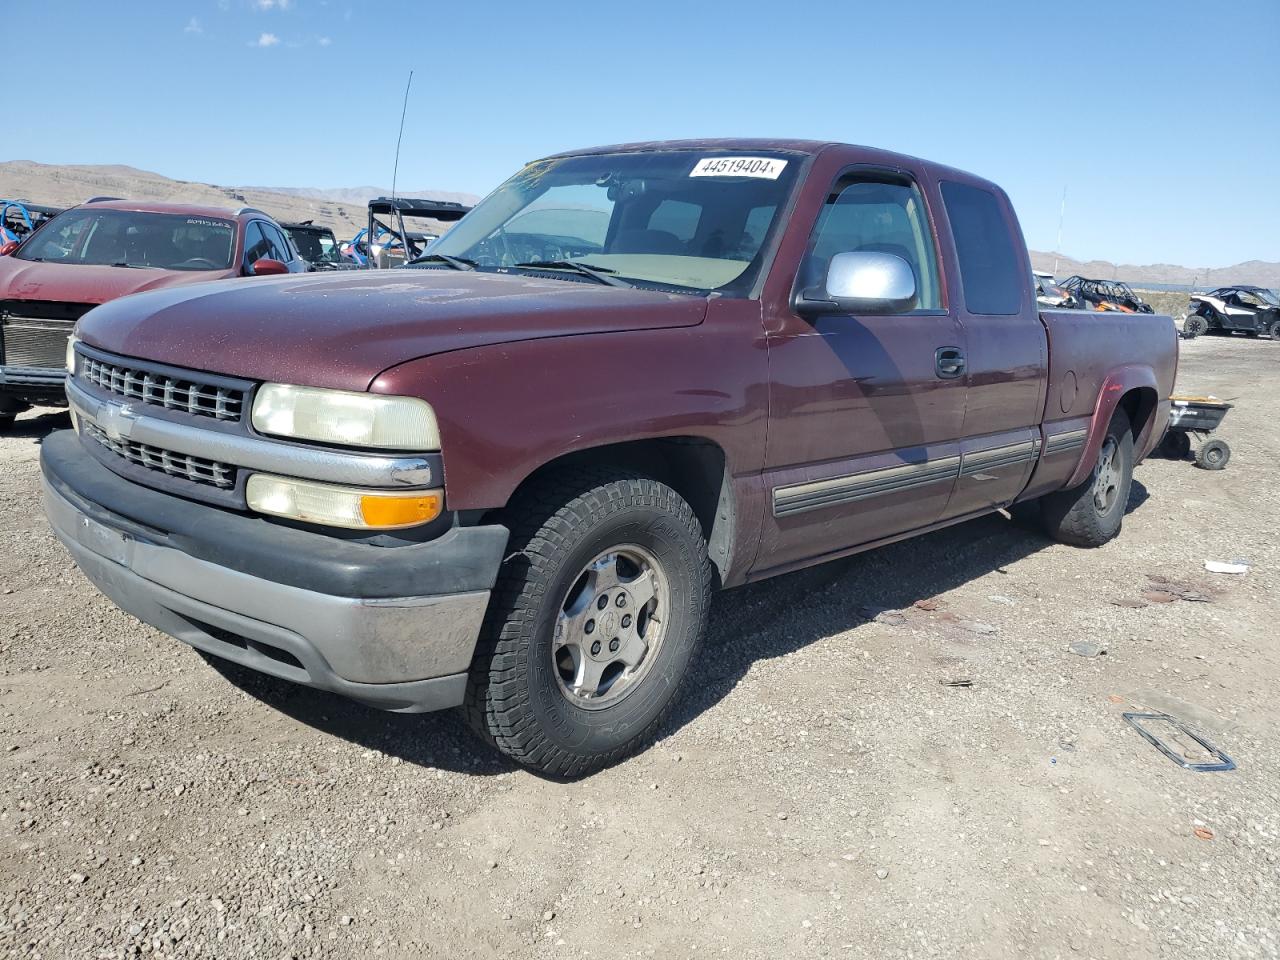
x=458 y=263
x=131 y=266
x=599 y=274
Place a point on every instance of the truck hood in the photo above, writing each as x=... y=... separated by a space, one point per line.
x=341 y=330
x=84 y=283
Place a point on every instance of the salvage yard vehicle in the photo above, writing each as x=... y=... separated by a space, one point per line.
x=1049 y=294
x=318 y=246
x=1105 y=295
x=390 y=243
x=1247 y=310
x=108 y=248
x=19 y=217
x=509 y=477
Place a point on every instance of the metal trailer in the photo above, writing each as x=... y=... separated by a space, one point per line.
x=1196 y=417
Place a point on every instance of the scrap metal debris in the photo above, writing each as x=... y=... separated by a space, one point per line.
x=1172 y=738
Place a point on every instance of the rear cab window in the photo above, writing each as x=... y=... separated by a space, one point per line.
x=990 y=266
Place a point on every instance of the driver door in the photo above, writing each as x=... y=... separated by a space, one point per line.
x=866 y=411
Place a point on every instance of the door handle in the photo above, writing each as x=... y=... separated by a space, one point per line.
x=949 y=362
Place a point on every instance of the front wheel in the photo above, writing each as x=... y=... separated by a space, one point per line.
x=1273 y=331
x=595 y=619
x=1091 y=514
x=1194 y=326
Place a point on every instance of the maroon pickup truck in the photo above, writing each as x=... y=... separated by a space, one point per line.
x=509 y=476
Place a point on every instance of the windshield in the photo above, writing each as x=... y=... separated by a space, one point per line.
x=677 y=219
x=1269 y=296
x=130 y=239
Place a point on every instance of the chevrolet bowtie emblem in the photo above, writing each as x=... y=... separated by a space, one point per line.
x=116 y=421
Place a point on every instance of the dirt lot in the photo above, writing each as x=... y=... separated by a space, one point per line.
x=823 y=792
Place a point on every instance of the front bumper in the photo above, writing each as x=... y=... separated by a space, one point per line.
x=35 y=385
x=263 y=594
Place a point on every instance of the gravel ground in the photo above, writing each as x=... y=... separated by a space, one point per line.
x=824 y=791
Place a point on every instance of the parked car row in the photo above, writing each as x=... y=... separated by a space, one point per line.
x=55 y=265
x=1250 y=310
x=107 y=248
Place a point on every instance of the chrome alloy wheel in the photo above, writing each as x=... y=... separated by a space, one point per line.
x=1107 y=476
x=610 y=626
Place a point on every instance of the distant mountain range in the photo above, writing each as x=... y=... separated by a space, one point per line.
x=1259 y=273
x=344 y=209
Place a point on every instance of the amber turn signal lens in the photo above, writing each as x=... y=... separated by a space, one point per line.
x=400 y=511
x=353 y=507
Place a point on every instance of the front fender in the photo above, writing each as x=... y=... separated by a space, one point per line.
x=1119 y=382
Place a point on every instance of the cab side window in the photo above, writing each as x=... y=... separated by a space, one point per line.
x=989 y=265
x=878 y=215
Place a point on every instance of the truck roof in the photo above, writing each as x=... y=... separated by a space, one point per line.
x=858 y=153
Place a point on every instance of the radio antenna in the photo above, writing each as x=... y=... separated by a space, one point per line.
x=399 y=136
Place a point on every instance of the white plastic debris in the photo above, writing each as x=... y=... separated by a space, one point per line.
x=1221 y=566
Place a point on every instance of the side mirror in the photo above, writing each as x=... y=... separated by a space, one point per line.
x=862 y=282
x=9 y=247
x=266 y=267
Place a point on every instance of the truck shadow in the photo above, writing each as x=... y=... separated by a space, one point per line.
x=748 y=624
x=38 y=427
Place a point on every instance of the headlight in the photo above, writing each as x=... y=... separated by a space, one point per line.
x=346 y=418
x=71 y=353
x=335 y=506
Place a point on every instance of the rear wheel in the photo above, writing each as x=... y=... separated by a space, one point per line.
x=1213 y=455
x=595 y=619
x=1091 y=514
x=1194 y=326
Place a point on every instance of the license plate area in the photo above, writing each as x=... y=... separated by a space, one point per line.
x=105 y=541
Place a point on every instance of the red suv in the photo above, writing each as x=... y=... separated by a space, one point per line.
x=108 y=248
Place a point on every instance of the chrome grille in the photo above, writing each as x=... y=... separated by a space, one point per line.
x=163 y=390
x=195 y=469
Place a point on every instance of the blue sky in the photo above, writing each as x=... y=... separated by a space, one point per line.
x=1161 y=119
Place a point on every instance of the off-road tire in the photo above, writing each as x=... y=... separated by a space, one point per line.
x=1073 y=516
x=1194 y=326
x=514 y=699
x=1273 y=331
x=1213 y=455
